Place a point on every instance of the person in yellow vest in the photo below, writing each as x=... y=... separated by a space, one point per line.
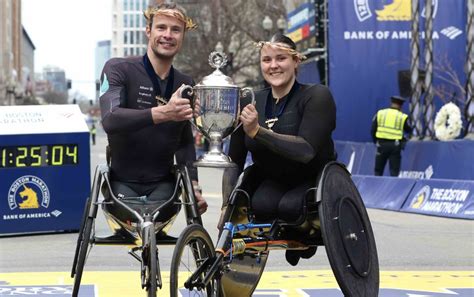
x=388 y=128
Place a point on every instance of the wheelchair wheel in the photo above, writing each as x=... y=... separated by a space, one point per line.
x=84 y=241
x=347 y=233
x=193 y=247
x=79 y=237
x=151 y=264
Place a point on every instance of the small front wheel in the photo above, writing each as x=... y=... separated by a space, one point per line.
x=194 y=246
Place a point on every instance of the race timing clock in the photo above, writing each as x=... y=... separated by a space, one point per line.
x=44 y=168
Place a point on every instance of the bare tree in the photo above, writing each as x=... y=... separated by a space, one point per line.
x=237 y=24
x=451 y=88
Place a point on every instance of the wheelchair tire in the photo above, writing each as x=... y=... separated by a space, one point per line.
x=79 y=236
x=151 y=264
x=193 y=247
x=347 y=234
x=85 y=239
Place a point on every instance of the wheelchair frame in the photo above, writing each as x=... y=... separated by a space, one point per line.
x=341 y=224
x=146 y=238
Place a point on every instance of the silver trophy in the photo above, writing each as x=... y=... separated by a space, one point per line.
x=216 y=101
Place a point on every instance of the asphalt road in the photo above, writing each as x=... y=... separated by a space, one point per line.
x=405 y=242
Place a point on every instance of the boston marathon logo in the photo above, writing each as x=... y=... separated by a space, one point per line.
x=439 y=200
x=28 y=192
x=394 y=11
x=397 y=10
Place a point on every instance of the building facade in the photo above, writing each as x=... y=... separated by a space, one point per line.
x=102 y=54
x=128 y=27
x=10 y=49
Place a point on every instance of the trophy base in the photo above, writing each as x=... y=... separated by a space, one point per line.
x=215 y=160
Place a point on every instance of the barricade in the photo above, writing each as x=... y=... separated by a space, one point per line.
x=438 y=197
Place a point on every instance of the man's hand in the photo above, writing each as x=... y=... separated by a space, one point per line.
x=201 y=203
x=178 y=109
x=249 y=118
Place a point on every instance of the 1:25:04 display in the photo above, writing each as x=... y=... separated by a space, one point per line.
x=38 y=155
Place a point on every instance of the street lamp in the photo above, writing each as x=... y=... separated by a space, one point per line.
x=267 y=25
x=281 y=24
x=10 y=88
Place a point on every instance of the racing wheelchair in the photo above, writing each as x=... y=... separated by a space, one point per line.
x=334 y=216
x=142 y=226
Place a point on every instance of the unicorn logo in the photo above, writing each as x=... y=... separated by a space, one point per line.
x=28 y=192
x=31 y=200
x=420 y=198
x=398 y=10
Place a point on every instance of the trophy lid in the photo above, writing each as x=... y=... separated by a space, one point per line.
x=217 y=78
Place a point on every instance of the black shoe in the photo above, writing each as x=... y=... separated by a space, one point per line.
x=309 y=252
x=293 y=256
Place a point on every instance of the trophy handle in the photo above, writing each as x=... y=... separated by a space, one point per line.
x=243 y=92
x=187 y=92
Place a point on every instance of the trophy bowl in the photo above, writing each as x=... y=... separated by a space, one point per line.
x=216 y=104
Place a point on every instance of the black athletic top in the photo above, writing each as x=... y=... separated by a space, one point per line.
x=141 y=151
x=299 y=144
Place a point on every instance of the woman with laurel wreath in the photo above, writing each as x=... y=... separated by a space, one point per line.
x=288 y=132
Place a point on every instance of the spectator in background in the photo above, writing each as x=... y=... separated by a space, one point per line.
x=388 y=128
x=93 y=132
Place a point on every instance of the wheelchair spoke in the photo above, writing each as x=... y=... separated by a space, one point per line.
x=193 y=248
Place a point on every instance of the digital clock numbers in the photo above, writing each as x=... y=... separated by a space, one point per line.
x=38 y=155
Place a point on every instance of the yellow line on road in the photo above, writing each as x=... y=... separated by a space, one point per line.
x=127 y=283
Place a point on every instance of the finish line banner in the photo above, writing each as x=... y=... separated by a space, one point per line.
x=369 y=43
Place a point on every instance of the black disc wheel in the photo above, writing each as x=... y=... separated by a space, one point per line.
x=347 y=234
x=194 y=246
x=84 y=245
x=151 y=264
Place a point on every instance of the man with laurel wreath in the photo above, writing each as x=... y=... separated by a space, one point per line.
x=388 y=128
x=144 y=115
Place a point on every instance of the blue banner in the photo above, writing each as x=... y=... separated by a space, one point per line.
x=369 y=43
x=308 y=73
x=383 y=192
x=442 y=198
x=420 y=159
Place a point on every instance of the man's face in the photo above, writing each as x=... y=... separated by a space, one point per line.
x=165 y=36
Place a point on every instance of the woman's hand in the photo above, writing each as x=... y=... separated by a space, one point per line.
x=249 y=119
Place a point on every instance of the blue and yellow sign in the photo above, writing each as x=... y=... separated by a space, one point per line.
x=44 y=168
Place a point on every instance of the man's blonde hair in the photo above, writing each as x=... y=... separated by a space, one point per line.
x=168 y=9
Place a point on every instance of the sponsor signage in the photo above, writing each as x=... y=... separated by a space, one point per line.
x=44 y=168
x=442 y=198
x=370 y=42
x=302 y=22
x=45 y=291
